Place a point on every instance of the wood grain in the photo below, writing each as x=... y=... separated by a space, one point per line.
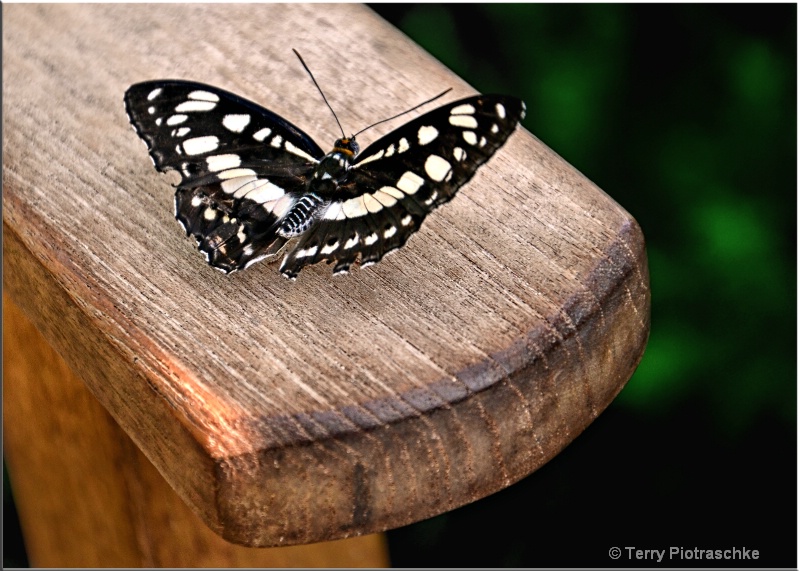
x=92 y=499
x=282 y=412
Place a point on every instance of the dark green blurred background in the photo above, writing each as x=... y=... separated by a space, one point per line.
x=686 y=116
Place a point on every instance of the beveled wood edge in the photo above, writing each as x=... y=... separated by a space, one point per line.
x=71 y=332
x=622 y=315
x=219 y=491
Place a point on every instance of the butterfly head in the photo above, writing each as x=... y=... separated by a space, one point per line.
x=346 y=145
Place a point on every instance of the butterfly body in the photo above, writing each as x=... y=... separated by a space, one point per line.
x=251 y=181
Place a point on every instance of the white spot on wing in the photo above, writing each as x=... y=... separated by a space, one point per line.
x=437 y=168
x=426 y=134
x=385 y=198
x=190 y=106
x=183 y=131
x=372 y=204
x=209 y=213
x=196 y=201
x=410 y=182
x=236 y=122
x=151 y=110
x=264 y=191
x=204 y=96
x=329 y=249
x=371 y=239
x=464 y=109
x=391 y=191
x=459 y=154
x=299 y=152
x=153 y=94
x=371 y=158
x=235 y=173
x=390 y=150
x=223 y=162
x=307 y=252
x=262 y=134
x=281 y=206
x=432 y=198
x=177 y=119
x=407 y=220
x=389 y=232
x=466 y=121
x=501 y=111
x=354 y=207
x=200 y=145
x=276 y=141
x=402 y=145
x=470 y=137
x=233 y=185
x=351 y=242
x=332 y=211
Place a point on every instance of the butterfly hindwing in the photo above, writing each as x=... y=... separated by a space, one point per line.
x=399 y=179
x=230 y=233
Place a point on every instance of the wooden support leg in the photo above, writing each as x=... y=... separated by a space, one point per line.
x=88 y=497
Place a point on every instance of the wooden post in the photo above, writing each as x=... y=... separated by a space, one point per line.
x=286 y=413
x=90 y=498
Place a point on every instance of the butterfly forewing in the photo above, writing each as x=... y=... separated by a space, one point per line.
x=185 y=122
x=398 y=180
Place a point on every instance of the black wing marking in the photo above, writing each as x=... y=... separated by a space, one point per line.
x=241 y=165
x=398 y=180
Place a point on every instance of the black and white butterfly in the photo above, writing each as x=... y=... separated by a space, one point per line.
x=251 y=181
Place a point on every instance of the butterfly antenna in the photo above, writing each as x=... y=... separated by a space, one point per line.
x=406 y=111
x=320 y=92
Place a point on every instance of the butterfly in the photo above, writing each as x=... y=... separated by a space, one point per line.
x=251 y=181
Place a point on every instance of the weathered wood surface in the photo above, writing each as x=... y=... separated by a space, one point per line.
x=78 y=469
x=283 y=412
